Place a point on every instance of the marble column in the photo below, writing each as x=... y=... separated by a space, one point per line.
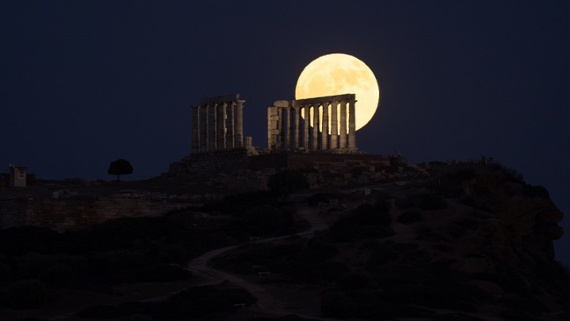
x=296 y=132
x=306 y=122
x=213 y=128
x=221 y=126
x=342 y=124
x=195 y=129
x=230 y=123
x=351 y=125
x=325 y=125
x=288 y=128
x=315 y=127
x=239 y=124
x=204 y=128
x=334 y=125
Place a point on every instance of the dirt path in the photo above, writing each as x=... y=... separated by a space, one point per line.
x=266 y=302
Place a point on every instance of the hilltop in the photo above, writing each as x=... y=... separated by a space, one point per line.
x=464 y=241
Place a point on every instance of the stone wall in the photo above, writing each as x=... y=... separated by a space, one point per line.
x=210 y=162
x=234 y=170
x=78 y=213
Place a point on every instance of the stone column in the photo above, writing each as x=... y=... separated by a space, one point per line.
x=272 y=127
x=306 y=122
x=239 y=124
x=334 y=125
x=221 y=126
x=195 y=129
x=296 y=132
x=288 y=128
x=351 y=125
x=230 y=124
x=212 y=129
x=342 y=124
x=204 y=128
x=315 y=127
x=325 y=125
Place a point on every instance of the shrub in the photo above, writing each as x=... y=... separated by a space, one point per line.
x=4 y=271
x=425 y=202
x=410 y=217
x=319 y=249
x=431 y=202
x=237 y=204
x=336 y=305
x=27 y=294
x=287 y=181
x=535 y=191
x=264 y=219
x=327 y=271
x=354 y=281
x=138 y=317
x=162 y=273
x=112 y=311
x=382 y=206
x=173 y=254
x=513 y=175
x=343 y=231
x=59 y=272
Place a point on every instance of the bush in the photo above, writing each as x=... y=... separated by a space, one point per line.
x=26 y=239
x=410 y=217
x=513 y=175
x=175 y=254
x=426 y=202
x=319 y=249
x=265 y=219
x=287 y=181
x=237 y=204
x=112 y=311
x=354 y=282
x=27 y=294
x=343 y=231
x=327 y=271
x=431 y=202
x=162 y=273
x=365 y=221
x=383 y=207
x=336 y=305
x=138 y=317
x=535 y=191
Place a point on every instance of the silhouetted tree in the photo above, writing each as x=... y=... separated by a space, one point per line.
x=120 y=167
x=287 y=181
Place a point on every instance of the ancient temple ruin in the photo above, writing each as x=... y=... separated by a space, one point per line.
x=218 y=124
x=289 y=126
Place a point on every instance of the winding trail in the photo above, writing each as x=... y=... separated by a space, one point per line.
x=266 y=302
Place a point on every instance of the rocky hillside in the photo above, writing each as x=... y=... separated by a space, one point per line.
x=465 y=242
x=471 y=242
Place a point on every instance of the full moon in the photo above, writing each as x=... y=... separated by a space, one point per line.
x=338 y=74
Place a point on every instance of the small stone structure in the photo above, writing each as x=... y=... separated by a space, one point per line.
x=17 y=176
x=289 y=125
x=217 y=124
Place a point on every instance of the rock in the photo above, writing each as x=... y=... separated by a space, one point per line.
x=489 y=287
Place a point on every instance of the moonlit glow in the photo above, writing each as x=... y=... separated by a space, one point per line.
x=338 y=74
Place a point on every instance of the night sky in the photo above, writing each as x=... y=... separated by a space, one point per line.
x=86 y=82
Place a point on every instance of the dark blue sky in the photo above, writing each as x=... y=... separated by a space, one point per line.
x=86 y=82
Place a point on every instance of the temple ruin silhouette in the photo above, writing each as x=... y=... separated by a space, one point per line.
x=319 y=124
x=314 y=135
